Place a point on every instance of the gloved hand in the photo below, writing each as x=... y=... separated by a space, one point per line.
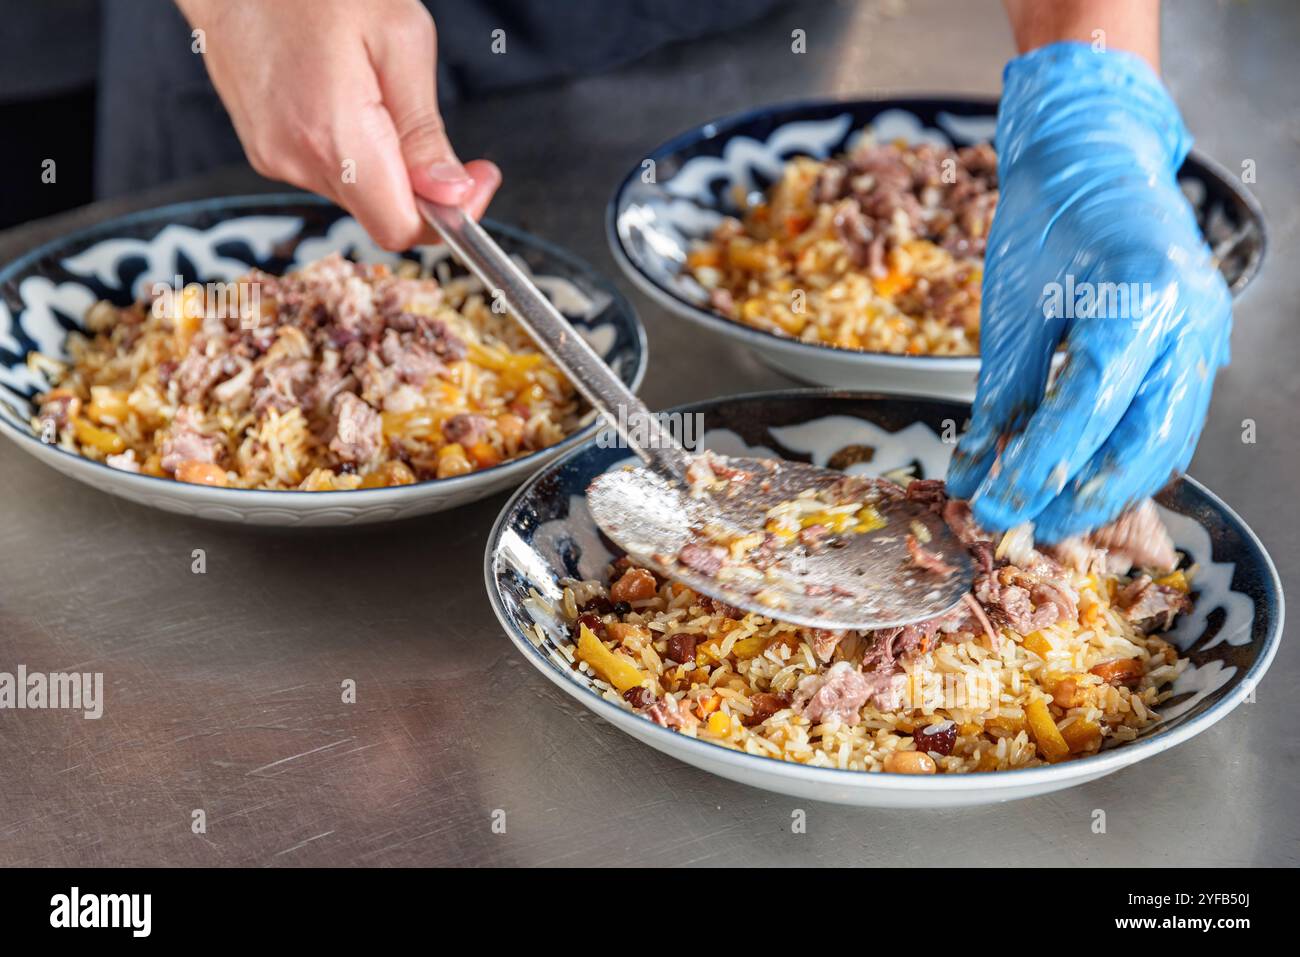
x=1088 y=148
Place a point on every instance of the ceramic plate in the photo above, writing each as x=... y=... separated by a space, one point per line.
x=46 y=293
x=545 y=534
x=652 y=220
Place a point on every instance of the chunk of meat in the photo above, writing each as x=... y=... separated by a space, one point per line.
x=466 y=428
x=824 y=642
x=663 y=711
x=358 y=432
x=1137 y=539
x=186 y=442
x=197 y=373
x=281 y=385
x=837 y=694
x=1047 y=592
x=932 y=492
x=237 y=391
x=1140 y=537
x=980 y=616
x=958 y=516
x=413 y=360
x=1145 y=602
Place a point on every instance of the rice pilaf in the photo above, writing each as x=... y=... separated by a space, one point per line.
x=337 y=376
x=879 y=250
x=1048 y=658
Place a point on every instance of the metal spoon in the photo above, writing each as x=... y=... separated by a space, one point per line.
x=860 y=580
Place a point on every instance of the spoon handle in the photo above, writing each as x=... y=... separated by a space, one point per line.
x=638 y=427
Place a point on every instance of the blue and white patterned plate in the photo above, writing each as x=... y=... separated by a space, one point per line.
x=46 y=293
x=545 y=533
x=683 y=189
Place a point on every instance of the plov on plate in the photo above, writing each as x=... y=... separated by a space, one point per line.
x=168 y=395
x=1049 y=675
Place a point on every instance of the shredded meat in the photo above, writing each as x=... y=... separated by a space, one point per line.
x=186 y=442
x=663 y=711
x=886 y=194
x=466 y=428
x=838 y=693
x=1137 y=539
x=1143 y=601
x=824 y=643
x=358 y=430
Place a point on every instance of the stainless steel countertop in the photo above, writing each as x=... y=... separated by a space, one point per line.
x=223 y=689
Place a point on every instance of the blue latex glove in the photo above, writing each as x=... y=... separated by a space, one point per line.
x=1088 y=148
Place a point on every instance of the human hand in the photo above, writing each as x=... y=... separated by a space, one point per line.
x=1089 y=145
x=339 y=98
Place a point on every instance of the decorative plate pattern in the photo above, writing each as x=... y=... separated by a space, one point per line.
x=686 y=186
x=45 y=294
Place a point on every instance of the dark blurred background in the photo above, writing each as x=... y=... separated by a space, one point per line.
x=113 y=93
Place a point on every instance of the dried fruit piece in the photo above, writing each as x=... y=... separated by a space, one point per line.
x=617 y=669
x=938 y=737
x=681 y=647
x=765 y=705
x=591 y=621
x=1082 y=736
x=1121 y=671
x=1043 y=727
x=636 y=584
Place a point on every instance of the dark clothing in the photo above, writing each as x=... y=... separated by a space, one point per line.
x=159 y=118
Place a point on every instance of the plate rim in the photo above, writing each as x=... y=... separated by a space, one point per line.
x=710 y=752
x=297 y=498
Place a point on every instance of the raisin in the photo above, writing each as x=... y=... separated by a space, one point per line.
x=639 y=697
x=765 y=705
x=939 y=737
x=591 y=621
x=599 y=605
x=622 y=608
x=681 y=647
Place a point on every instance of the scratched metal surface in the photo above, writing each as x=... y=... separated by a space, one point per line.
x=223 y=689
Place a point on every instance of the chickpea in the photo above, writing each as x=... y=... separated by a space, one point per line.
x=910 y=762
x=1068 y=694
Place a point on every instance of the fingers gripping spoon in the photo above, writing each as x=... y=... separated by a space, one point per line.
x=712 y=510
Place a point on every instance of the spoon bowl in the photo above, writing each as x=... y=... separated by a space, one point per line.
x=875 y=577
x=855 y=579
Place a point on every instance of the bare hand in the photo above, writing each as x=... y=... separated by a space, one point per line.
x=339 y=98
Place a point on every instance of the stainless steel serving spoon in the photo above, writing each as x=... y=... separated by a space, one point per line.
x=863 y=580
